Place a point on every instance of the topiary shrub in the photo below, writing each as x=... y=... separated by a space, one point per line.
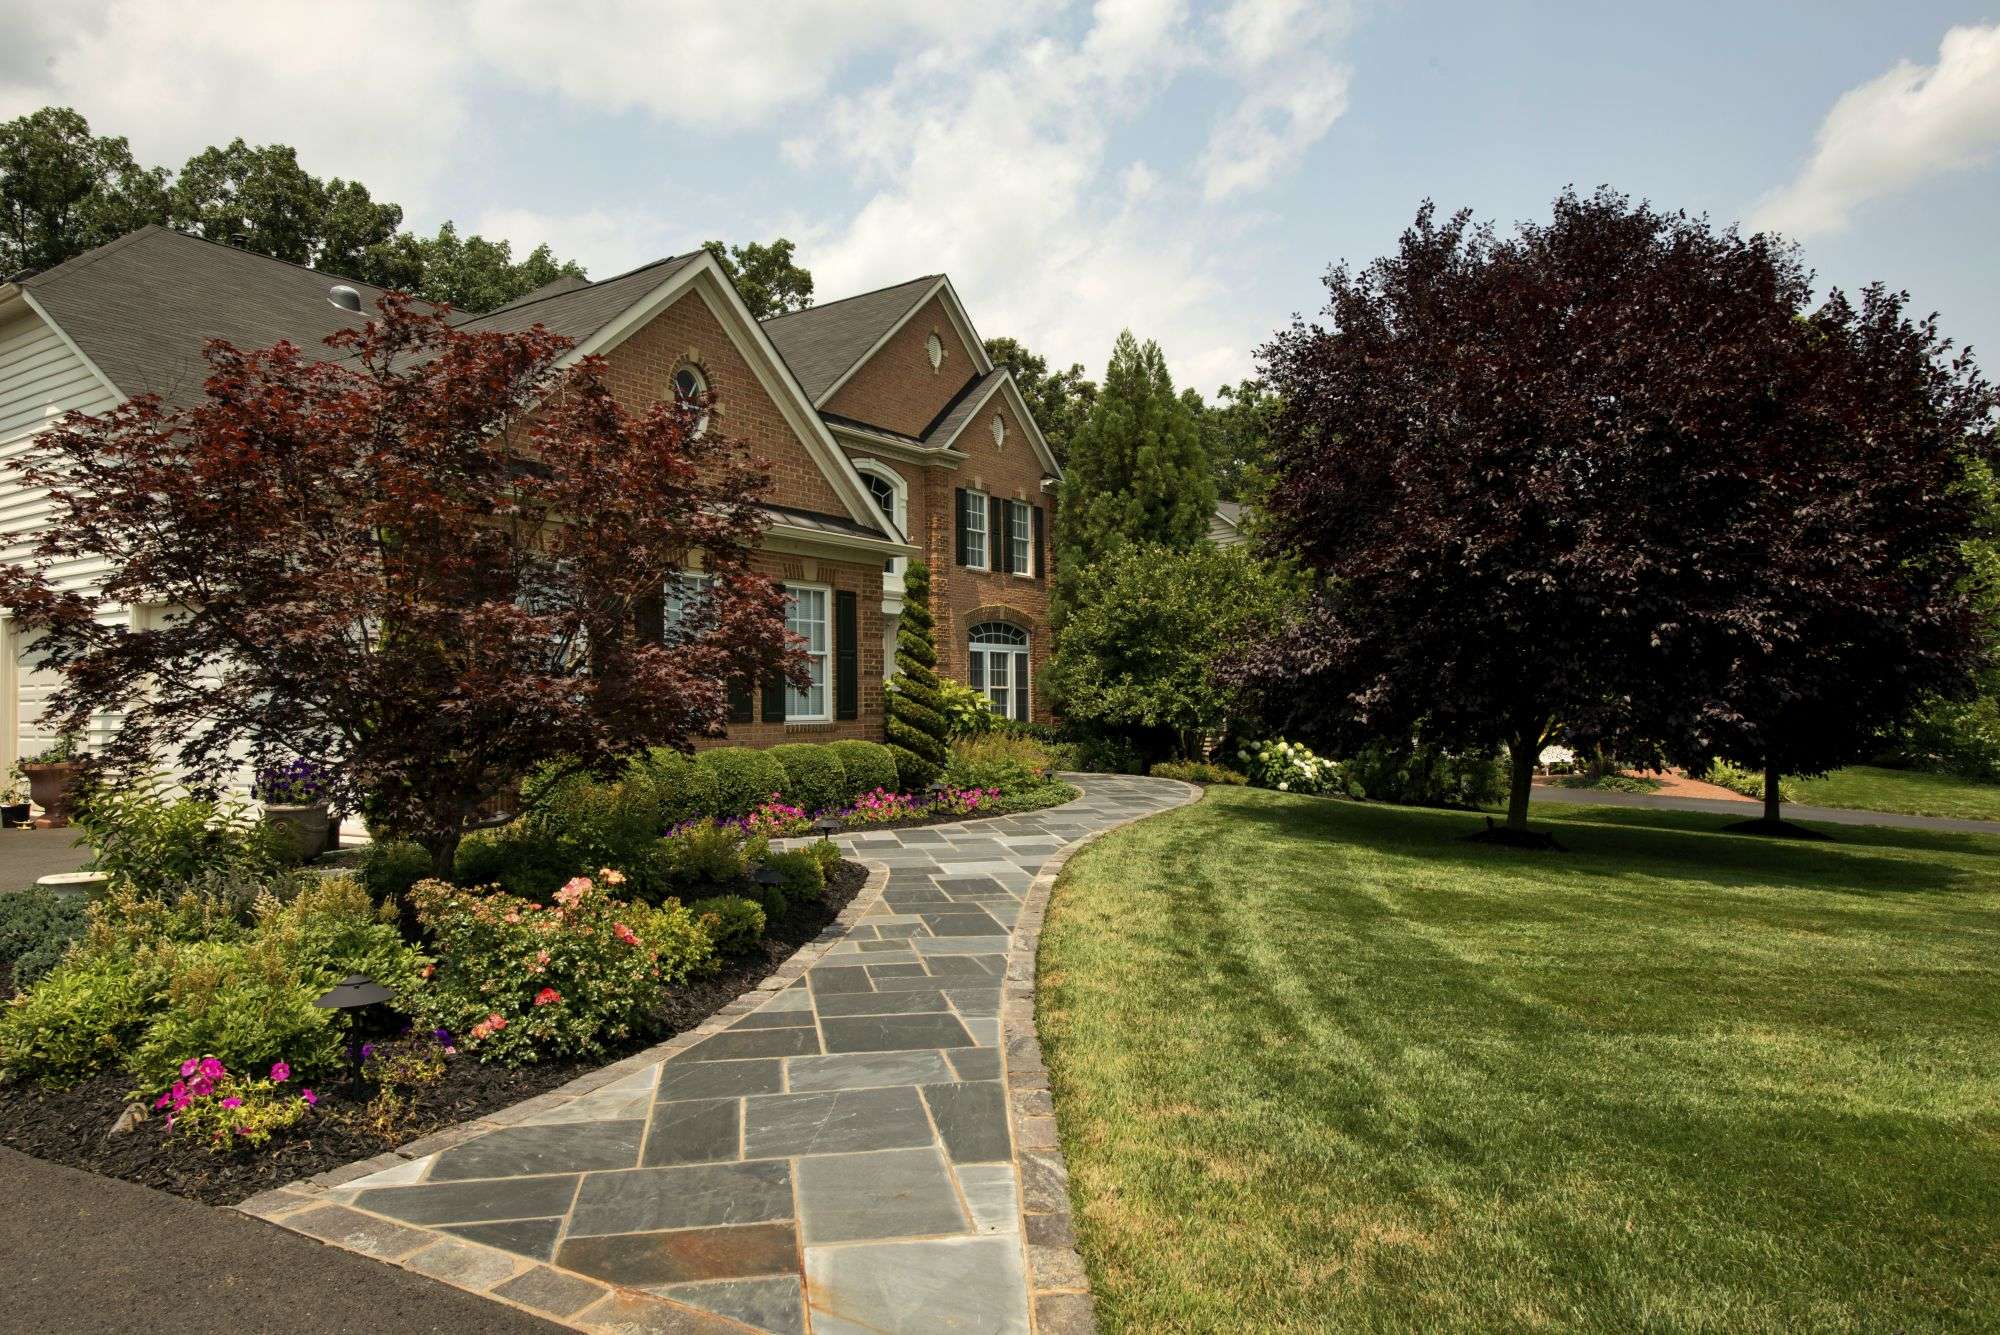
x=743 y=778
x=915 y=724
x=733 y=923
x=867 y=765
x=685 y=790
x=814 y=778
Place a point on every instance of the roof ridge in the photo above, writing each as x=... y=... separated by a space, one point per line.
x=871 y=292
x=289 y=264
x=589 y=283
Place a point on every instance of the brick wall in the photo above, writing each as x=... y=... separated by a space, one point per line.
x=640 y=371
x=897 y=388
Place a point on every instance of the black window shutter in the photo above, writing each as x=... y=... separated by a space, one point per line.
x=650 y=616
x=1021 y=687
x=846 y=656
x=964 y=551
x=996 y=523
x=1041 y=565
x=739 y=701
x=976 y=671
x=774 y=700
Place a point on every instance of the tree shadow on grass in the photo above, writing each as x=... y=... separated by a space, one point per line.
x=1951 y=843
x=1686 y=846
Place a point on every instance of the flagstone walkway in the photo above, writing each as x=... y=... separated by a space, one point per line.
x=861 y=1145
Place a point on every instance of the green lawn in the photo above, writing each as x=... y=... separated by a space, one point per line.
x=1321 y=1065
x=1868 y=788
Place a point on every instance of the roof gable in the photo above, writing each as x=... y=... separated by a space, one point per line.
x=823 y=344
x=965 y=409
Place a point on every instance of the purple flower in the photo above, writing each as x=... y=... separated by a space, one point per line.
x=367 y=1051
x=442 y=1035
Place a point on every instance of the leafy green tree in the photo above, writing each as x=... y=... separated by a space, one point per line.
x=1060 y=400
x=770 y=282
x=1236 y=431
x=475 y=274
x=261 y=199
x=1136 y=474
x=64 y=190
x=916 y=727
x=1150 y=624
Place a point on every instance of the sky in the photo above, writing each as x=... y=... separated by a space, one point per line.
x=1189 y=171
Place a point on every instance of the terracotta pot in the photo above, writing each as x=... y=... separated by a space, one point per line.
x=53 y=789
x=304 y=827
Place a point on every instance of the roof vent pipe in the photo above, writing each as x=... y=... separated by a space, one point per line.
x=345 y=297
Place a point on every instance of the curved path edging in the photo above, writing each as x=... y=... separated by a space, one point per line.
x=1058 y=1285
x=862 y=1143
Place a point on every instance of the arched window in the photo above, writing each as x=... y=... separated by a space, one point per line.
x=690 y=385
x=998 y=656
x=892 y=497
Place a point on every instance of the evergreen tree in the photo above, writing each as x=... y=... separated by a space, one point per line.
x=1136 y=473
x=915 y=725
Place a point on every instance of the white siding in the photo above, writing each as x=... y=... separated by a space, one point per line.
x=40 y=380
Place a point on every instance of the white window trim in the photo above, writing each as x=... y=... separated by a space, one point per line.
x=980 y=554
x=1026 y=685
x=825 y=656
x=892 y=578
x=1027 y=513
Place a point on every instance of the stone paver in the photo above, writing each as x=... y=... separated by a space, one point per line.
x=862 y=1144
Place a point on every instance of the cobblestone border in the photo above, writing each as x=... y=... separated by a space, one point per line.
x=1058 y=1285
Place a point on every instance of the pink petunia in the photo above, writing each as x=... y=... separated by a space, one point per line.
x=232 y=1102
x=189 y=1067
x=310 y=1097
x=212 y=1068
x=280 y=1072
x=201 y=1087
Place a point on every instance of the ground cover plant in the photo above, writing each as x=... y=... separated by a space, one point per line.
x=1322 y=1065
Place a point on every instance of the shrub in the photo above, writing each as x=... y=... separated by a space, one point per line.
x=517 y=982
x=743 y=778
x=36 y=927
x=997 y=760
x=703 y=854
x=218 y=999
x=82 y=1016
x=803 y=882
x=733 y=923
x=827 y=853
x=967 y=713
x=684 y=790
x=585 y=823
x=1103 y=755
x=1426 y=776
x=814 y=779
x=146 y=834
x=867 y=765
x=518 y=860
x=1290 y=767
x=1749 y=782
x=390 y=867
x=1199 y=771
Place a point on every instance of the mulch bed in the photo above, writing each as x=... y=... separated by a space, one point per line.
x=69 y=1126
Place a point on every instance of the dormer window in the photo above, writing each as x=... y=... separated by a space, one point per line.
x=934 y=351
x=999 y=430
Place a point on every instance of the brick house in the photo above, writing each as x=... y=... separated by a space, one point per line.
x=889 y=434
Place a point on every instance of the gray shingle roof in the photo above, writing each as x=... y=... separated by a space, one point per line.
x=822 y=343
x=579 y=312
x=143 y=306
x=961 y=408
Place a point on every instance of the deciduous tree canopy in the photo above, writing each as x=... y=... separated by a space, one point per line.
x=429 y=566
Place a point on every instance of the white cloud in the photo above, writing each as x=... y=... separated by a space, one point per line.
x=1914 y=122
x=696 y=62
x=607 y=242
x=368 y=91
x=1293 y=91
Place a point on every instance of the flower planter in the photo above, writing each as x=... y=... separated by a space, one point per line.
x=52 y=787
x=14 y=815
x=303 y=826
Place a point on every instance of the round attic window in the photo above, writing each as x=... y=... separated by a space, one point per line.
x=689 y=387
x=934 y=351
x=999 y=430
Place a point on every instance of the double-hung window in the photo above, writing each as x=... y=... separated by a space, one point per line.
x=806 y=616
x=973 y=520
x=1020 y=538
x=685 y=591
x=998 y=657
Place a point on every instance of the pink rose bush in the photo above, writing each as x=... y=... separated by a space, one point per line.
x=229 y=1111
x=520 y=981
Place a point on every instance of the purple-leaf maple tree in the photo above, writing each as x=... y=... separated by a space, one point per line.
x=429 y=563
x=1532 y=476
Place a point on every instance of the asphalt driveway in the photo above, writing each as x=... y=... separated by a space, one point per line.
x=28 y=855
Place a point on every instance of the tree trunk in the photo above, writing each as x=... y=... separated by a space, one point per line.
x=1772 y=802
x=1522 y=753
